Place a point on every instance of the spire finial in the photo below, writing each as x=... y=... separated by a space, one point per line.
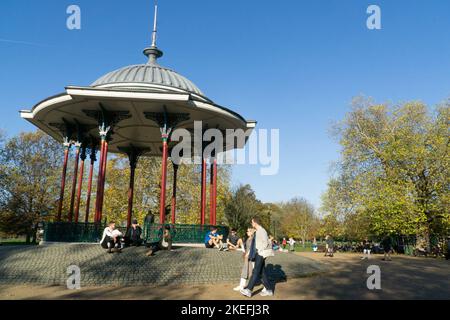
x=153 y=52
x=155 y=23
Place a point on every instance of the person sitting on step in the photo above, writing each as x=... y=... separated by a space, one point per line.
x=133 y=235
x=234 y=242
x=164 y=243
x=111 y=238
x=214 y=240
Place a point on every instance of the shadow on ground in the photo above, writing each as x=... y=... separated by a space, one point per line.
x=47 y=265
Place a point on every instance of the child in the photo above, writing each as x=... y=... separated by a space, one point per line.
x=248 y=265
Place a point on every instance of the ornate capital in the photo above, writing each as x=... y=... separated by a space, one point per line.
x=66 y=129
x=107 y=119
x=166 y=121
x=134 y=153
x=66 y=142
x=83 y=152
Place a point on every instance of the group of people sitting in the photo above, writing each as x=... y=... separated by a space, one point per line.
x=215 y=240
x=114 y=241
x=256 y=248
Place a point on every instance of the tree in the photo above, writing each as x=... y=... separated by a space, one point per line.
x=299 y=219
x=275 y=216
x=394 y=169
x=240 y=207
x=30 y=164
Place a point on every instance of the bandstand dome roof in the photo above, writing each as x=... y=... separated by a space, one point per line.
x=132 y=93
x=146 y=74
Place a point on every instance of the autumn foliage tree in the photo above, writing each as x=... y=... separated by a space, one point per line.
x=393 y=175
x=299 y=219
x=29 y=180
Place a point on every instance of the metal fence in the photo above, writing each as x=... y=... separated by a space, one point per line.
x=73 y=232
x=92 y=232
x=181 y=233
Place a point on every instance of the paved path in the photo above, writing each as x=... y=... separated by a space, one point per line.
x=47 y=265
x=404 y=277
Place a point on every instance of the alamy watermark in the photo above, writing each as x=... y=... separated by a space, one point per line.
x=73 y=22
x=374 y=280
x=230 y=146
x=74 y=280
x=374 y=20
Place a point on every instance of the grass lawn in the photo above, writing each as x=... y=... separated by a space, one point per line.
x=14 y=242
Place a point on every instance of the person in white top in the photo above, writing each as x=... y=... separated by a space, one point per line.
x=261 y=249
x=111 y=238
x=292 y=244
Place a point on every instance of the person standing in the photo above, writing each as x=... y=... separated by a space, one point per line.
x=283 y=243
x=291 y=244
x=260 y=250
x=366 y=249
x=329 y=246
x=248 y=265
x=387 y=247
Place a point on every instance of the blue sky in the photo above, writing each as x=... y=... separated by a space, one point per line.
x=292 y=65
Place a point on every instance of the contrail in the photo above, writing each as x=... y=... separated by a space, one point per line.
x=24 y=42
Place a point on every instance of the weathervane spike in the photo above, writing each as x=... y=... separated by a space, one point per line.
x=155 y=25
x=153 y=52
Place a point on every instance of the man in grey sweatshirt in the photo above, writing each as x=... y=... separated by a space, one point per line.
x=262 y=248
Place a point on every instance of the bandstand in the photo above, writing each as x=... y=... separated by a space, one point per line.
x=131 y=111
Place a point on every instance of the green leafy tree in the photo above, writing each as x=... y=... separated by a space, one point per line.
x=240 y=207
x=394 y=169
x=30 y=164
x=299 y=219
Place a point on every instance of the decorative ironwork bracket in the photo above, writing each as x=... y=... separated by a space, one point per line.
x=106 y=119
x=133 y=153
x=167 y=121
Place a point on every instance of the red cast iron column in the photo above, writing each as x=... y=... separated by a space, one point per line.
x=63 y=178
x=213 y=191
x=162 y=200
x=89 y=189
x=203 y=192
x=99 y=181
x=80 y=182
x=130 y=195
x=174 y=193
x=106 y=121
x=102 y=194
x=167 y=122
x=74 y=180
